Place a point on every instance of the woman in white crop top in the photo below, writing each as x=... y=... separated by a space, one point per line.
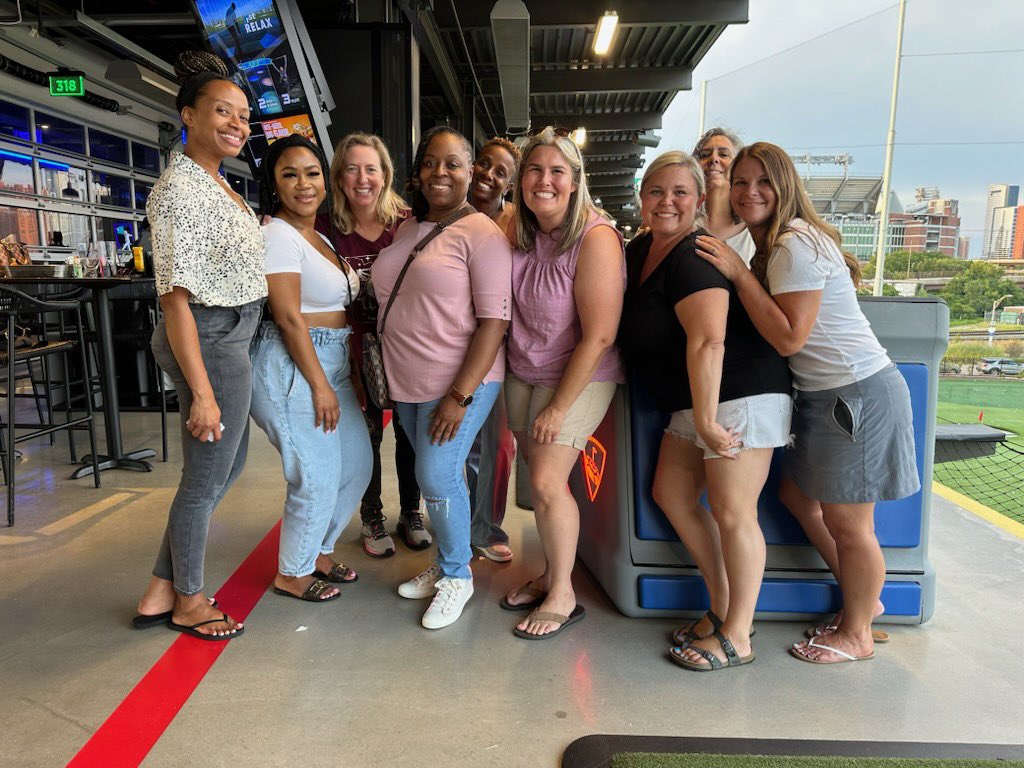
x=307 y=396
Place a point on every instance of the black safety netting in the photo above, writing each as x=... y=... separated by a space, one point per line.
x=995 y=479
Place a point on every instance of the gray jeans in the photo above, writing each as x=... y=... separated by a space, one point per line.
x=208 y=468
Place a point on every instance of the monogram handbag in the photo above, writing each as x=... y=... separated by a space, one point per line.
x=373 y=352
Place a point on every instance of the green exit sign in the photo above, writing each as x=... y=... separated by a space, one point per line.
x=67 y=84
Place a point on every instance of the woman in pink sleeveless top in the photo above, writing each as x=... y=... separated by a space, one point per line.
x=568 y=279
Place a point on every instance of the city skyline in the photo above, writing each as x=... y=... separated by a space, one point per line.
x=816 y=76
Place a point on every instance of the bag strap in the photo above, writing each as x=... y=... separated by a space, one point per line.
x=434 y=232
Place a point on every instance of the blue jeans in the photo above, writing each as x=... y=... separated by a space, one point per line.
x=208 y=469
x=441 y=473
x=326 y=473
x=488 y=469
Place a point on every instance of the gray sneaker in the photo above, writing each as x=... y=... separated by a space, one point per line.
x=376 y=541
x=413 y=531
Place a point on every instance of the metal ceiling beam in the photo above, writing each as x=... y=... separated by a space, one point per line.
x=620 y=80
x=598 y=148
x=609 y=121
x=125 y=46
x=424 y=29
x=616 y=200
x=614 y=166
x=146 y=19
x=625 y=180
x=583 y=13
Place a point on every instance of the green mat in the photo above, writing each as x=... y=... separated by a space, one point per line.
x=702 y=760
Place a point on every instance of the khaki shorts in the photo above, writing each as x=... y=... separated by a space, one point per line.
x=524 y=401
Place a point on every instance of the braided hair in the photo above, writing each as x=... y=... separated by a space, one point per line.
x=195 y=71
x=269 y=203
x=420 y=206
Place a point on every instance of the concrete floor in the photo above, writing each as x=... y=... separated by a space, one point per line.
x=364 y=685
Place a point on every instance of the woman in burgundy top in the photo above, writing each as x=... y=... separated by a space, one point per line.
x=366 y=213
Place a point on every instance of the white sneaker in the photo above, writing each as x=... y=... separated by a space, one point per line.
x=446 y=607
x=424 y=585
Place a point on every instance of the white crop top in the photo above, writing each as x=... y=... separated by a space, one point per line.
x=325 y=288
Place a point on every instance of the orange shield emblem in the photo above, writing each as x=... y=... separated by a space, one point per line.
x=593 y=466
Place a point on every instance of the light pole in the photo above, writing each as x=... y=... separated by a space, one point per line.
x=992 y=319
x=883 y=215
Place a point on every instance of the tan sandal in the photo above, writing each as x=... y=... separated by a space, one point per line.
x=578 y=614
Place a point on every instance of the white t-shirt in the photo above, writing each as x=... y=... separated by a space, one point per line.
x=743 y=244
x=841 y=347
x=324 y=287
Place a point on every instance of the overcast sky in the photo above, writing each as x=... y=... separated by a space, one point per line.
x=784 y=77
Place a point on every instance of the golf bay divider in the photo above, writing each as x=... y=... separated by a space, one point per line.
x=628 y=545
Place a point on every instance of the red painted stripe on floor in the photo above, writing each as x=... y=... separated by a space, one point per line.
x=387 y=417
x=133 y=728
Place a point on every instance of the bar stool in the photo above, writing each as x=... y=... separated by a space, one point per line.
x=15 y=305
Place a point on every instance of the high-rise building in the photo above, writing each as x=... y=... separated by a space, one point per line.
x=1017 y=249
x=1004 y=227
x=963 y=247
x=999 y=196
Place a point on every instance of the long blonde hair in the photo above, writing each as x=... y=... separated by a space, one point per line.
x=678 y=157
x=581 y=206
x=390 y=208
x=791 y=202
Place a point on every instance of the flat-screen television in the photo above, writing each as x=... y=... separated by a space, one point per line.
x=251 y=38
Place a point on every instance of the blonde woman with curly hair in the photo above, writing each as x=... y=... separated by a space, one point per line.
x=568 y=277
x=853 y=439
x=364 y=217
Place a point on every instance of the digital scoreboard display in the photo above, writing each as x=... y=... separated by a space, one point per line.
x=67 y=83
x=249 y=36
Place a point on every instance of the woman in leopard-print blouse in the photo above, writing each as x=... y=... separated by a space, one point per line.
x=208 y=252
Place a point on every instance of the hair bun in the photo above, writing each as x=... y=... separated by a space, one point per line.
x=191 y=63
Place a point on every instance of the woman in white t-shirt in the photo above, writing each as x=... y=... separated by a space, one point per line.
x=853 y=441
x=306 y=395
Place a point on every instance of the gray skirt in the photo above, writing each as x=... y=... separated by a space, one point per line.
x=854 y=444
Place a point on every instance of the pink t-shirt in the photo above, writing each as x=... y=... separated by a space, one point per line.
x=545 y=323
x=463 y=274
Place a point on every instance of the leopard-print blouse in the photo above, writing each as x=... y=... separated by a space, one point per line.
x=202 y=239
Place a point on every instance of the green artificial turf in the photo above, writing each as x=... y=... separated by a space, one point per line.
x=996 y=481
x=701 y=760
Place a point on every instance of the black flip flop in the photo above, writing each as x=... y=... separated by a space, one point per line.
x=578 y=614
x=145 y=621
x=526 y=588
x=192 y=629
x=312 y=593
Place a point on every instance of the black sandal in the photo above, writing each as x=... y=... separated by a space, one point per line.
x=732 y=659
x=685 y=635
x=337 y=574
x=312 y=593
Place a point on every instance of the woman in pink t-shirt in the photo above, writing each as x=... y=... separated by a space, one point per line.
x=441 y=339
x=568 y=279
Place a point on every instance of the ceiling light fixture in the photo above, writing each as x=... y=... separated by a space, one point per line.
x=605 y=32
x=579 y=136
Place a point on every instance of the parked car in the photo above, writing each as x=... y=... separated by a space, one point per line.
x=1004 y=366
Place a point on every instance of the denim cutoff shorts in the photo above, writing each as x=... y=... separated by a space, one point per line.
x=762 y=421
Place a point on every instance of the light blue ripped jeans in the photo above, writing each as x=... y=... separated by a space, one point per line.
x=441 y=474
x=326 y=473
